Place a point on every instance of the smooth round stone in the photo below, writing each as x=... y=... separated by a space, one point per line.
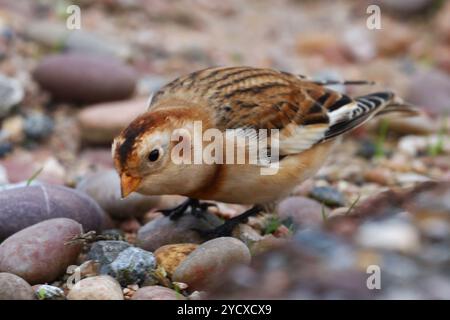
x=105 y=252
x=430 y=90
x=133 y=266
x=52 y=34
x=38 y=126
x=404 y=7
x=24 y=206
x=83 y=42
x=303 y=211
x=104 y=187
x=206 y=264
x=101 y=123
x=96 y=288
x=389 y=234
x=163 y=230
x=157 y=293
x=171 y=255
x=47 y=292
x=328 y=196
x=38 y=253
x=421 y=125
x=85 y=78
x=13 y=287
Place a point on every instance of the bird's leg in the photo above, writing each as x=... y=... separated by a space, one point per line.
x=176 y=212
x=197 y=209
x=227 y=227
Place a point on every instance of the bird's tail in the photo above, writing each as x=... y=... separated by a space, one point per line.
x=363 y=109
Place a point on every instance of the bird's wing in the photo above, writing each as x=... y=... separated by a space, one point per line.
x=304 y=112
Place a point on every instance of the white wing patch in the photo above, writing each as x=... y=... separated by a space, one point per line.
x=343 y=113
x=295 y=139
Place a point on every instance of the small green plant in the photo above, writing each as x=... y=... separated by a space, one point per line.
x=437 y=148
x=34 y=176
x=41 y=294
x=381 y=139
x=273 y=223
x=177 y=289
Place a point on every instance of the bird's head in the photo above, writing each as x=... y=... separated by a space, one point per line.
x=143 y=157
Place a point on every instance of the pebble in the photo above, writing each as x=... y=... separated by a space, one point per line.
x=83 y=42
x=24 y=206
x=38 y=253
x=404 y=7
x=133 y=266
x=430 y=90
x=12 y=129
x=420 y=125
x=11 y=93
x=163 y=230
x=85 y=79
x=104 y=187
x=170 y=256
x=47 y=292
x=266 y=243
x=5 y=148
x=157 y=293
x=328 y=196
x=204 y=266
x=96 y=288
x=359 y=43
x=418 y=145
x=13 y=287
x=22 y=165
x=246 y=234
x=38 y=126
x=380 y=175
x=44 y=32
x=394 y=38
x=391 y=234
x=53 y=34
x=105 y=252
x=101 y=123
x=302 y=211
x=410 y=179
x=325 y=245
x=366 y=149
x=88 y=268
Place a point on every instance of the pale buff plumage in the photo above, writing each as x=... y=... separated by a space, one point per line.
x=308 y=115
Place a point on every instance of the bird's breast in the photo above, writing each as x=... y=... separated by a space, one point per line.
x=248 y=184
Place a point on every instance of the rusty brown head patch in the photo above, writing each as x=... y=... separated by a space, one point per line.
x=131 y=134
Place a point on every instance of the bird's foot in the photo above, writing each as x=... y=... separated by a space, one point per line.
x=197 y=209
x=225 y=229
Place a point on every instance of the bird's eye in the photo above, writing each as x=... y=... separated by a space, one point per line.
x=153 y=155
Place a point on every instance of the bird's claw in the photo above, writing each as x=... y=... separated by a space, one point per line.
x=197 y=209
x=226 y=229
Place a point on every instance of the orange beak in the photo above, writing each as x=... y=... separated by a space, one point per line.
x=128 y=184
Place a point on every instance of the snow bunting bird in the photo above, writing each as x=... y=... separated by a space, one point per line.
x=307 y=115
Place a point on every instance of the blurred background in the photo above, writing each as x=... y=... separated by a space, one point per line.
x=53 y=77
x=65 y=93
